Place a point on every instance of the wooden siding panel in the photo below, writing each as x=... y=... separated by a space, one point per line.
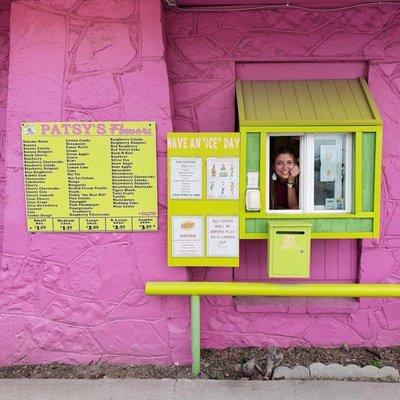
x=248 y=101
x=275 y=101
x=334 y=103
x=360 y=99
x=319 y=100
x=347 y=260
x=290 y=101
x=305 y=103
x=261 y=101
x=331 y=260
x=347 y=99
x=330 y=101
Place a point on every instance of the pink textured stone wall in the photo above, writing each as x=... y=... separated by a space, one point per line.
x=203 y=53
x=4 y=53
x=78 y=298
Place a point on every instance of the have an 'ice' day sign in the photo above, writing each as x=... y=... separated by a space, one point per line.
x=203 y=199
x=90 y=176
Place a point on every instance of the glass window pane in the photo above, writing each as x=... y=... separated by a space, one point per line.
x=329 y=172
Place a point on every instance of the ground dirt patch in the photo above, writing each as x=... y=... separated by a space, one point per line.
x=215 y=364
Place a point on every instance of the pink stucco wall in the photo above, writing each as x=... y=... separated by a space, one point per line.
x=4 y=53
x=79 y=298
x=204 y=53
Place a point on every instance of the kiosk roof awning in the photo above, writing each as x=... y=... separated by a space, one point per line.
x=305 y=103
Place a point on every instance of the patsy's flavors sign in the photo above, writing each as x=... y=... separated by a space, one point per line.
x=88 y=128
x=90 y=176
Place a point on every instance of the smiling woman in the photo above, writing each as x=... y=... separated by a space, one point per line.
x=284 y=174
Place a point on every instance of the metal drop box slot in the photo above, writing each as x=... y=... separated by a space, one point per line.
x=289 y=249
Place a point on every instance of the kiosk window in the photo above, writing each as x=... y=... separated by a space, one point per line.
x=310 y=173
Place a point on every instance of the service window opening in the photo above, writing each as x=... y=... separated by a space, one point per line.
x=284 y=173
x=309 y=173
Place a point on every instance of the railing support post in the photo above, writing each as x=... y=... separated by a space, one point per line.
x=195 y=333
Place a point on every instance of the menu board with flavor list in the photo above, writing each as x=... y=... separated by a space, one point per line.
x=90 y=176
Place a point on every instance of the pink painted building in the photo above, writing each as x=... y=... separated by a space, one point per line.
x=79 y=298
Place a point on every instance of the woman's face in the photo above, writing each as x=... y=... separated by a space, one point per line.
x=283 y=164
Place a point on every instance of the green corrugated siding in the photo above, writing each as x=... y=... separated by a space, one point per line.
x=368 y=160
x=253 y=152
x=331 y=101
x=320 y=225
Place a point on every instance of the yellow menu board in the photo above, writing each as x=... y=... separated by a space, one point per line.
x=203 y=199
x=90 y=176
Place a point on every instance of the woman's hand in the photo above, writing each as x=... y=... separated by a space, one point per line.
x=293 y=173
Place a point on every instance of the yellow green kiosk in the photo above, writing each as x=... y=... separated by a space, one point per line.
x=335 y=130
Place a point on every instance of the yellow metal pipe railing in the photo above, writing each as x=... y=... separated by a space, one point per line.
x=272 y=289
x=197 y=289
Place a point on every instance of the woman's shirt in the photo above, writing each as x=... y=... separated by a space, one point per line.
x=281 y=195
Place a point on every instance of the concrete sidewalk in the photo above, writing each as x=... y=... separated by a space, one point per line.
x=186 y=389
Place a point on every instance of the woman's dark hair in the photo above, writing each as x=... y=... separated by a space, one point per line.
x=284 y=150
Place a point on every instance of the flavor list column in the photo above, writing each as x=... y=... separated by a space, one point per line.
x=134 y=176
x=87 y=185
x=44 y=170
x=123 y=186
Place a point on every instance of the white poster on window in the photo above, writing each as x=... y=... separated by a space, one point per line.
x=187 y=236
x=222 y=178
x=185 y=178
x=329 y=162
x=223 y=236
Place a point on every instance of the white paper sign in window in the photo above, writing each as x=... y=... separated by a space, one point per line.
x=330 y=172
x=185 y=178
x=223 y=178
x=223 y=237
x=328 y=163
x=187 y=236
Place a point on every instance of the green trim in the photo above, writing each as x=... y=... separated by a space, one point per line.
x=263 y=171
x=377 y=182
x=311 y=215
x=253 y=150
x=311 y=123
x=195 y=333
x=371 y=101
x=319 y=225
x=366 y=180
x=358 y=172
x=368 y=164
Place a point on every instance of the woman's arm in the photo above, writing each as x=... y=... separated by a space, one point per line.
x=292 y=198
x=293 y=202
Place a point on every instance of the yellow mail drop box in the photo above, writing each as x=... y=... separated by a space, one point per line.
x=289 y=249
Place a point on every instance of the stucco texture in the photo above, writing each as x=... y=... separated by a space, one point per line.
x=4 y=59
x=78 y=298
x=203 y=49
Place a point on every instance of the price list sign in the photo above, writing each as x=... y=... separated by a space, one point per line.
x=90 y=176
